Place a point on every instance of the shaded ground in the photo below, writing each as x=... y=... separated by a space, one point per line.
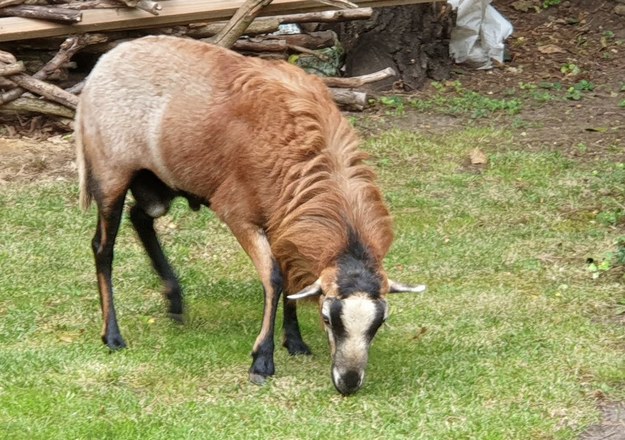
x=551 y=51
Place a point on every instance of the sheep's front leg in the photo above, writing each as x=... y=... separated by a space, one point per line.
x=255 y=243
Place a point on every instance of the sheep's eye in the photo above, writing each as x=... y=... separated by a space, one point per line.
x=326 y=319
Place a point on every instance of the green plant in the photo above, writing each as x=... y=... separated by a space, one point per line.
x=550 y=85
x=573 y=94
x=550 y=3
x=570 y=69
x=609 y=261
x=453 y=98
x=395 y=103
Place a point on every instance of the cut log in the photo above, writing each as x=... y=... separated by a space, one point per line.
x=91 y=4
x=310 y=40
x=358 y=81
x=49 y=91
x=146 y=5
x=11 y=69
x=32 y=105
x=60 y=15
x=7 y=58
x=350 y=99
x=6 y=84
x=254 y=45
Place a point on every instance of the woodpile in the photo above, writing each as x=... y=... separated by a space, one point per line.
x=55 y=25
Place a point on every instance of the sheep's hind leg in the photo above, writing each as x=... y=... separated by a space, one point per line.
x=153 y=199
x=109 y=217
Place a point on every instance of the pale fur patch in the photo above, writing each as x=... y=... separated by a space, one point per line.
x=358 y=316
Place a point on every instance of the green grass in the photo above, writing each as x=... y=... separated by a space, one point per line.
x=515 y=338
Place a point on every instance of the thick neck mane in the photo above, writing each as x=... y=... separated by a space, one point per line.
x=328 y=197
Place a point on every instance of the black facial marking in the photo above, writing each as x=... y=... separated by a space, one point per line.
x=377 y=321
x=357 y=271
x=338 y=329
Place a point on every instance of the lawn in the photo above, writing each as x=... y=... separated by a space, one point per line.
x=517 y=337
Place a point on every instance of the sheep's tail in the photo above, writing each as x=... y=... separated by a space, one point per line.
x=83 y=178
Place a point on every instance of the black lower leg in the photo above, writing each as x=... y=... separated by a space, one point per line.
x=292 y=337
x=262 y=364
x=144 y=225
x=103 y=243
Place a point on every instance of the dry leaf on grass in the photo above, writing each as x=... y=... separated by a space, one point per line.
x=478 y=157
x=550 y=49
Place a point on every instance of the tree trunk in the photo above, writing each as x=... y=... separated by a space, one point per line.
x=413 y=40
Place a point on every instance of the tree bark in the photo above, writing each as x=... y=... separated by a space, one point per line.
x=413 y=40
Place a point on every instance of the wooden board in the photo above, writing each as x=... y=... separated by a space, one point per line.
x=175 y=12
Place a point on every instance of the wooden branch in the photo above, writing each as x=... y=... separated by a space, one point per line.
x=7 y=58
x=258 y=26
x=358 y=81
x=311 y=40
x=76 y=89
x=239 y=22
x=92 y=4
x=67 y=50
x=60 y=15
x=6 y=84
x=266 y=25
x=343 y=4
x=5 y=3
x=254 y=45
x=49 y=91
x=149 y=6
x=350 y=99
x=11 y=69
x=326 y=16
x=32 y=105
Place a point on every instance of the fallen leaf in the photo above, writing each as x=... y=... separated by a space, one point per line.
x=478 y=157
x=523 y=5
x=550 y=49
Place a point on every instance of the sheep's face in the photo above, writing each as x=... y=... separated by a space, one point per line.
x=351 y=323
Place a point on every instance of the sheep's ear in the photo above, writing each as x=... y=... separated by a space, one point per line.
x=394 y=287
x=313 y=290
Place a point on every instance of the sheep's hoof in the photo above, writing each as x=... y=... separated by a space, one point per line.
x=258 y=379
x=297 y=348
x=178 y=318
x=114 y=342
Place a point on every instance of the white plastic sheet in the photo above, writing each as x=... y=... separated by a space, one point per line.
x=479 y=35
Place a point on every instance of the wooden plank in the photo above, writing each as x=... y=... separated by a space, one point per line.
x=175 y=12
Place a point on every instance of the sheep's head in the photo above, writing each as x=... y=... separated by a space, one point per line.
x=353 y=306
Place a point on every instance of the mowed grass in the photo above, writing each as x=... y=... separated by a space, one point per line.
x=514 y=339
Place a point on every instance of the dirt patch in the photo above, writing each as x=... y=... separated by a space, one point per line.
x=612 y=427
x=578 y=44
x=27 y=160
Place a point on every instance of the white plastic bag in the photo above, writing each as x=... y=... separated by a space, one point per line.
x=479 y=34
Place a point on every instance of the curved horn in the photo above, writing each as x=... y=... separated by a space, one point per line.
x=394 y=287
x=313 y=290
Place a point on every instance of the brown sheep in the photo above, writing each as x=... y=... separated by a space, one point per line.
x=262 y=144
